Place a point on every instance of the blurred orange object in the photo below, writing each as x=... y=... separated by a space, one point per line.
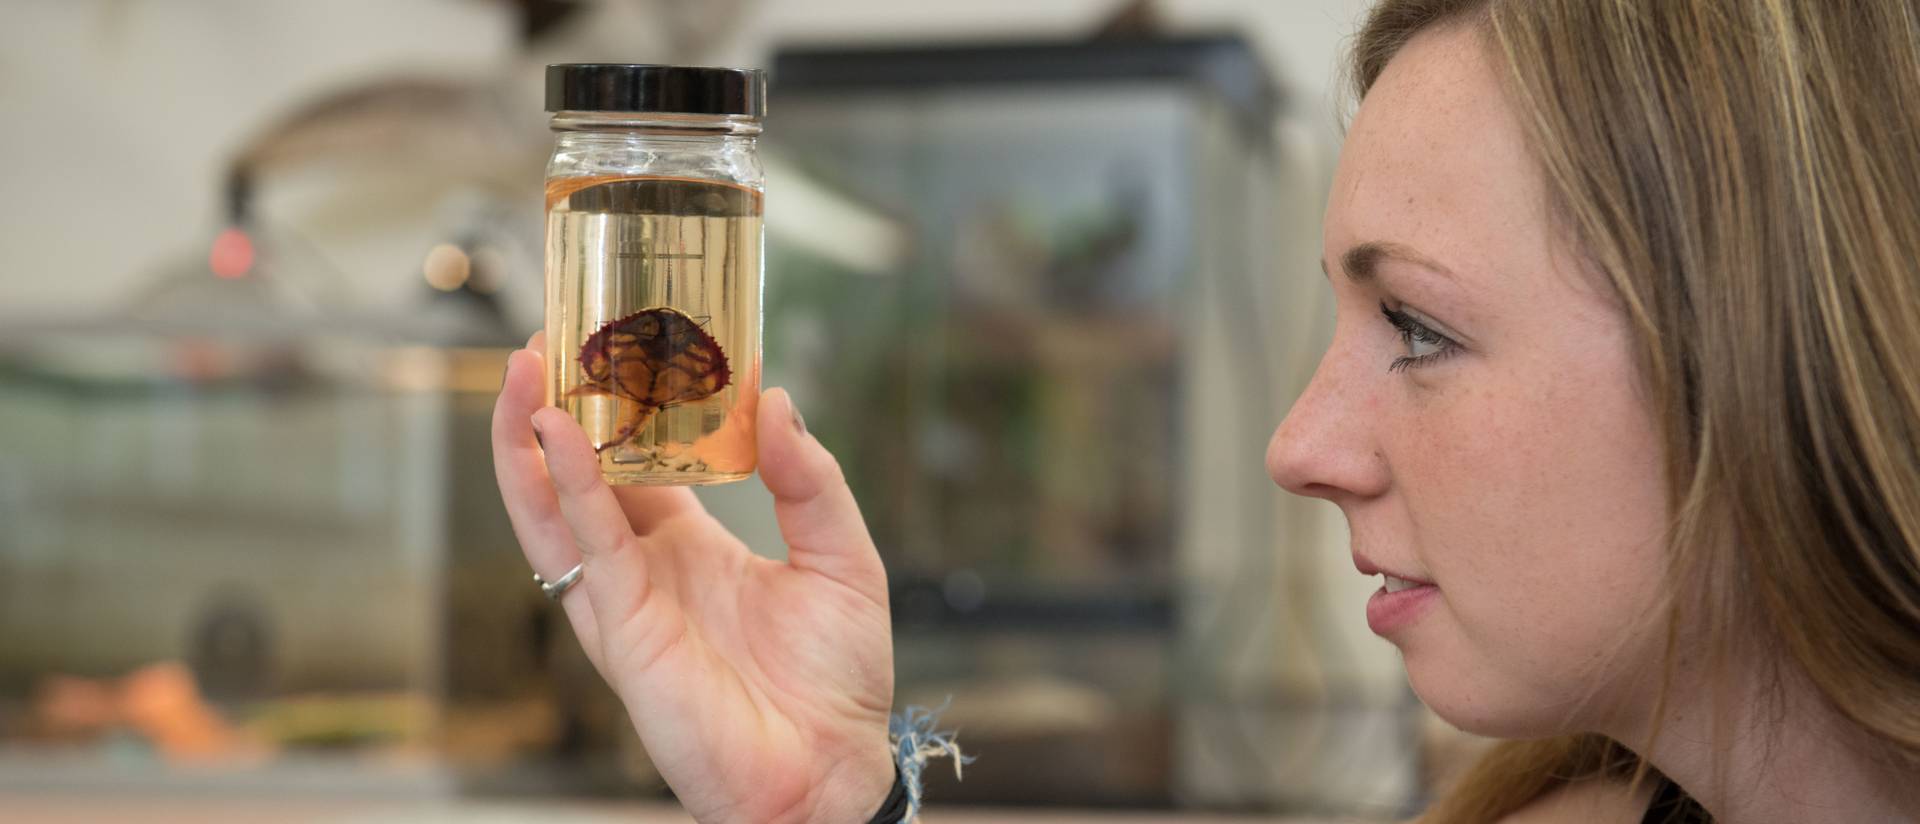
x=161 y=702
x=67 y=707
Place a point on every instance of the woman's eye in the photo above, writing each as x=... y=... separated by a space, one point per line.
x=1420 y=346
x=1424 y=345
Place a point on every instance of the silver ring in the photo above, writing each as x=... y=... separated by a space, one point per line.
x=558 y=588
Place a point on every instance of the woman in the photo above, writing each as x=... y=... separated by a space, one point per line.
x=1623 y=403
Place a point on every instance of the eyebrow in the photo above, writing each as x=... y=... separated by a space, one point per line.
x=1363 y=260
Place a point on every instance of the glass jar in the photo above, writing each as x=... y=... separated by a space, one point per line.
x=653 y=266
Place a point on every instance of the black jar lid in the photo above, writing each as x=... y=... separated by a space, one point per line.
x=636 y=87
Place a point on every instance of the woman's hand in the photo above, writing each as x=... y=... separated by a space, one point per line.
x=761 y=689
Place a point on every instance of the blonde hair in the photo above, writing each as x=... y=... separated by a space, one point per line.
x=1746 y=174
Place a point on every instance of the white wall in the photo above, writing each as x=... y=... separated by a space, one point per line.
x=116 y=115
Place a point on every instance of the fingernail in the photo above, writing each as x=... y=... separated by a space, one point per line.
x=799 y=423
x=504 y=371
x=536 y=434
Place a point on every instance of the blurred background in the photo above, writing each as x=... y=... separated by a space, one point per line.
x=1043 y=275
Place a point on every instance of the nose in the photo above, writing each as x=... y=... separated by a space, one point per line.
x=1326 y=447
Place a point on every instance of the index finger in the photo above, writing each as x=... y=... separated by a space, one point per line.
x=646 y=507
x=525 y=488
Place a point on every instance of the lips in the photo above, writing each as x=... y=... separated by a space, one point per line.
x=1390 y=609
x=1405 y=581
x=1400 y=600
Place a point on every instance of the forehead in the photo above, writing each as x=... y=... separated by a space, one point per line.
x=1436 y=159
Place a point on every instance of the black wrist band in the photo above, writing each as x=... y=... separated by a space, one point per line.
x=894 y=809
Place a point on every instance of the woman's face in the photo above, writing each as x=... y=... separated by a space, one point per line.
x=1489 y=441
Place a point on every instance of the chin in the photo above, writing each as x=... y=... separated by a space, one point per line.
x=1485 y=703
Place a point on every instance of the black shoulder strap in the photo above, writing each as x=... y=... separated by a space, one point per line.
x=1672 y=805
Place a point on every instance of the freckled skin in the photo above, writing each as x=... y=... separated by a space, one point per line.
x=1522 y=476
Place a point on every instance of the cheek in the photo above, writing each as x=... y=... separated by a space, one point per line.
x=1537 y=504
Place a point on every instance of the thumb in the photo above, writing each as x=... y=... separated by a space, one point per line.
x=818 y=516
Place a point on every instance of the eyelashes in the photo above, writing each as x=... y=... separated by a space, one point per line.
x=1424 y=344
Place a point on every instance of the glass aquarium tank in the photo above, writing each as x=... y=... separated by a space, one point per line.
x=1052 y=407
